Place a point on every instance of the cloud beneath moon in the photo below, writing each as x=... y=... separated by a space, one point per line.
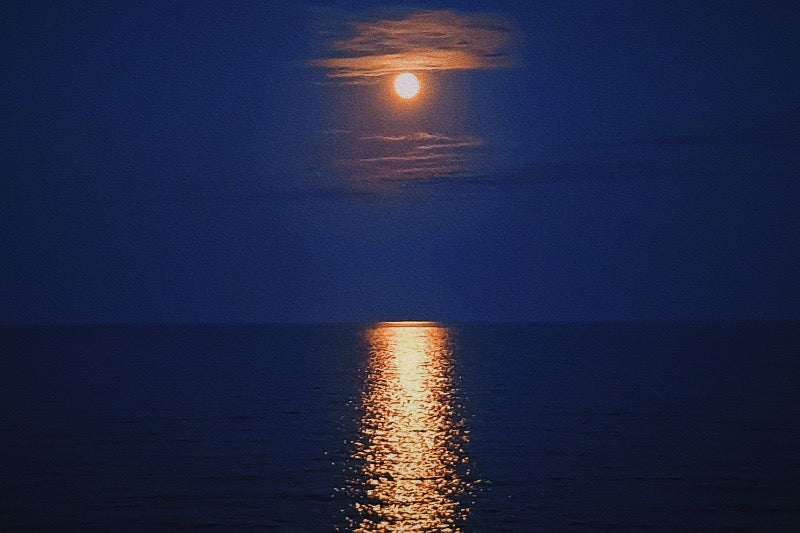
x=414 y=155
x=420 y=41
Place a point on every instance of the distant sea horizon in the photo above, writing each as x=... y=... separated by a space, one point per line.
x=403 y=319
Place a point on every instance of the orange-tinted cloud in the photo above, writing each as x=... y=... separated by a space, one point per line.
x=414 y=155
x=421 y=41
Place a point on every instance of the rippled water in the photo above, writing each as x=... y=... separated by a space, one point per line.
x=409 y=468
x=401 y=427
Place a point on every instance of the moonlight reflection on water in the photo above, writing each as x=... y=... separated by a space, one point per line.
x=409 y=469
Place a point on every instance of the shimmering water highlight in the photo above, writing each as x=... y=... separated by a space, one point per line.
x=409 y=468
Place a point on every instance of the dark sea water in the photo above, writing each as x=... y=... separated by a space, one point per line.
x=509 y=427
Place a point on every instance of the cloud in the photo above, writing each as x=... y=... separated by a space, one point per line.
x=414 y=155
x=416 y=136
x=778 y=133
x=420 y=41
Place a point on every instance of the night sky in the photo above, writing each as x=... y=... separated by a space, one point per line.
x=248 y=162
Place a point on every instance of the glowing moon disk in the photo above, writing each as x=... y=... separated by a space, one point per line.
x=406 y=85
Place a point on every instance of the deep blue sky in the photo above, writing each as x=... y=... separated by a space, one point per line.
x=179 y=162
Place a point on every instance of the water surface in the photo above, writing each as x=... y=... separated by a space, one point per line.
x=387 y=426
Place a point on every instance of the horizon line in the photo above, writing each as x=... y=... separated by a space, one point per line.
x=404 y=322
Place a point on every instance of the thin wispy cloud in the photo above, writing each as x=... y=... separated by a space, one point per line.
x=420 y=41
x=414 y=155
x=416 y=136
x=468 y=142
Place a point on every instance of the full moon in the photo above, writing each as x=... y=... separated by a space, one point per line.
x=406 y=85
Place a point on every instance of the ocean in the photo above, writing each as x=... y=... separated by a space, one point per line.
x=401 y=426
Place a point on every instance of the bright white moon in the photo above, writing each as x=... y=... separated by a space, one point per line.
x=406 y=85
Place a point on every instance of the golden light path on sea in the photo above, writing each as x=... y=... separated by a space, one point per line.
x=411 y=464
